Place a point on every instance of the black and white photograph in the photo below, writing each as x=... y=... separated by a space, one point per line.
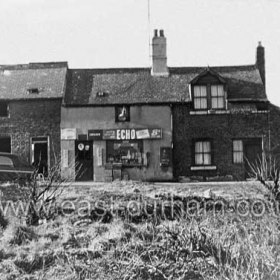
x=139 y=140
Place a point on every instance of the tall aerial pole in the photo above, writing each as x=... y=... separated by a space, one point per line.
x=149 y=31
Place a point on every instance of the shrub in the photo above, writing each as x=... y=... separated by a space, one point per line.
x=3 y=221
x=18 y=234
x=42 y=196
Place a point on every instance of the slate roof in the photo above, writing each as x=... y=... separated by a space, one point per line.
x=16 y=81
x=136 y=85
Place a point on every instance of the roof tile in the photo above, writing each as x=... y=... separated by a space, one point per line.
x=137 y=85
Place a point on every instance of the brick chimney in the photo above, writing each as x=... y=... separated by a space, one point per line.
x=260 y=61
x=159 y=59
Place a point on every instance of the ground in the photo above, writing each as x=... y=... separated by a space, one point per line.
x=118 y=238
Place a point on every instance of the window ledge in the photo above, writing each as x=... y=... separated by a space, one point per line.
x=205 y=167
x=260 y=112
x=209 y=112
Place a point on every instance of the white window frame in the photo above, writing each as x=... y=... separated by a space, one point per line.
x=237 y=151
x=218 y=95
x=198 y=97
x=203 y=153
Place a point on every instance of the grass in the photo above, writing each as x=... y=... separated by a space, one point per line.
x=207 y=245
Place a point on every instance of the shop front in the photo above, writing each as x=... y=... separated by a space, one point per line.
x=128 y=154
x=111 y=154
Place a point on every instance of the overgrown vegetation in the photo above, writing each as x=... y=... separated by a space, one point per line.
x=267 y=171
x=130 y=244
x=41 y=195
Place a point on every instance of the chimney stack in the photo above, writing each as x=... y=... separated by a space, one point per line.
x=159 y=59
x=260 y=61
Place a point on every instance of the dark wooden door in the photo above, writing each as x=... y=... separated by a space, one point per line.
x=253 y=155
x=41 y=157
x=84 y=161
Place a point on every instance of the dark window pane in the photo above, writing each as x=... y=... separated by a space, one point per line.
x=3 y=109
x=5 y=144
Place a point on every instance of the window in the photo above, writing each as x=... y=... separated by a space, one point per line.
x=202 y=153
x=122 y=114
x=217 y=97
x=6 y=161
x=4 y=111
x=33 y=91
x=209 y=97
x=237 y=151
x=5 y=144
x=125 y=152
x=200 y=97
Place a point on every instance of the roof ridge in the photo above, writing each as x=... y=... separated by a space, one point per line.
x=34 y=65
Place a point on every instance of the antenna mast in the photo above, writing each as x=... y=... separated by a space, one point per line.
x=149 y=31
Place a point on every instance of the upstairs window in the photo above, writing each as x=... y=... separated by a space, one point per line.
x=237 y=148
x=207 y=97
x=122 y=114
x=217 y=97
x=200 y=97
x=203 y=153
x=4 y=109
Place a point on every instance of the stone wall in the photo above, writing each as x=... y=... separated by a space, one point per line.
x=32 y=118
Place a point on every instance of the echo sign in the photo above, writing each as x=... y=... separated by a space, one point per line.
x=126 y=134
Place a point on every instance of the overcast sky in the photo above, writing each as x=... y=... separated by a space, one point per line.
x=115 y=33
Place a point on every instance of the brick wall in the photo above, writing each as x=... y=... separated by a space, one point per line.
x=221 y=128
x=32 y=118
x=275 y=131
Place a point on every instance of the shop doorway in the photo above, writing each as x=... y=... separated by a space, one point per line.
x=84 y=161
x=253 y=154
x=40 y=154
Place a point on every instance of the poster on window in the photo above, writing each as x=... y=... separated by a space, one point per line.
x=143 y=134
x=165 y=156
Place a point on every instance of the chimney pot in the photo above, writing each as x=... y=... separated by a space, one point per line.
x=159 y=59
x=260 y=61
x=155 y=33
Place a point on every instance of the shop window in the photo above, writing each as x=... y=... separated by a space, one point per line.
x=122 y=113
x=237 y=148
x=4 y=109
x=203 y=153
x=125 y=152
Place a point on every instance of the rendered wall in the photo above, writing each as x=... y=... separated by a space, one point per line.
x=86 y=118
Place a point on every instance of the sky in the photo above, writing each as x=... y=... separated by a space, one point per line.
x=116 y=33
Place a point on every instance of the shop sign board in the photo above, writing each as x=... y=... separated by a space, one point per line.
x=68 y=134
x=132 y=134
x=95 y=134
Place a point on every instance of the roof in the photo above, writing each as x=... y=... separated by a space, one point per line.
x=45 y=80
x=137 y=85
